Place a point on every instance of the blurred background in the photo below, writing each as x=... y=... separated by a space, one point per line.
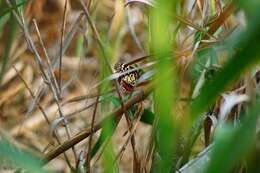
x=208 y=81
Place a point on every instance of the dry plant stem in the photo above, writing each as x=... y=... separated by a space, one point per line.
x=151 y=147
x=35 y=52
x=80 y=110
x=60 y=80
x=227 y=11
x=189 y=23
x=41 y=65
x=61 y=42
x=84 y=97
x=85 y=133
x=88 y=159
x=89 y=3
x=136 y=162
x=66 y=128
x=43 y=112
x=32 y=48
x=67 y=39
x=132 y=31
x=132 y=137
x=31 y=93
x=192 y=8
x=97 y=36
x=133 y=128
x=52 y=77
x=50 y=83
x=107 y=141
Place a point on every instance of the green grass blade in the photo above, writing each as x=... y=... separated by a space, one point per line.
x=246 y=57
x=231 y=144
x=20 y=159
x=8 y=10
x=10 y=38
x=161 y=44
x=147 y=117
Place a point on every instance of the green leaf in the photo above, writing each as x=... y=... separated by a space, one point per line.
x=103 y=136
x=19 y=158
x=165 y=82
x=231 y=144
x=246 y=57
x=3 y=21
x=115 y=100
x=148 y=117
x=98 y=144
x=10 y=38
x=200 y=63
x=8 y=10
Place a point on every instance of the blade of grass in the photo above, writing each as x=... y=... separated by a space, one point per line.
x=85 y=133
x=246 y=57
x=64 y=19
x=165 y=87
x=8 y=10
x=234 y=141
x=198 y=163
x=19 y=158
x=10 y=38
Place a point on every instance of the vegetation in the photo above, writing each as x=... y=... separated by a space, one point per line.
x=129 y=86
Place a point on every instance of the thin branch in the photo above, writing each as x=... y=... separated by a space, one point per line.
x=52 y=76
x=43 y=112
x=61 y=41
x=85 y=133
x=228 y=10
x=97 y=36
x=88 y=158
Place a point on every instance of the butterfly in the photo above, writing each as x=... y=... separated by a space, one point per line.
x=128 y=80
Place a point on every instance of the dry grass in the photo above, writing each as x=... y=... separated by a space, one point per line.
x=49 y=104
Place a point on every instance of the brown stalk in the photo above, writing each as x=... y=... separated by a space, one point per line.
x=151 y=145
x=88 y=157
x=67 y=39
x=189 y=23
x=97 y=37
x=107 y=140
x=207 y=130
x=41 y=65
x=61 y=42
x=50 y=83
x=136 y=163
x=132 y=31
x=43 y=112
x=50 y=69
x=85 y=133
x=84 y=97
x=227 y=11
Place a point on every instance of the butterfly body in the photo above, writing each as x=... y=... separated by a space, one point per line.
x=129 y=80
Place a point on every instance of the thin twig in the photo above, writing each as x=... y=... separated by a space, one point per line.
x=54 y=62
x=88 y=158
x=97 y=36
x=85 y=133
x=52 y=76
x=61 y=41
x=133 y=128
x=228 y=10
x=84 y=97
x=41 y=66
x=132 y=30
x=43 y=112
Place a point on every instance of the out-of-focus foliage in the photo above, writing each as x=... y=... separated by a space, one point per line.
x=153 y=86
